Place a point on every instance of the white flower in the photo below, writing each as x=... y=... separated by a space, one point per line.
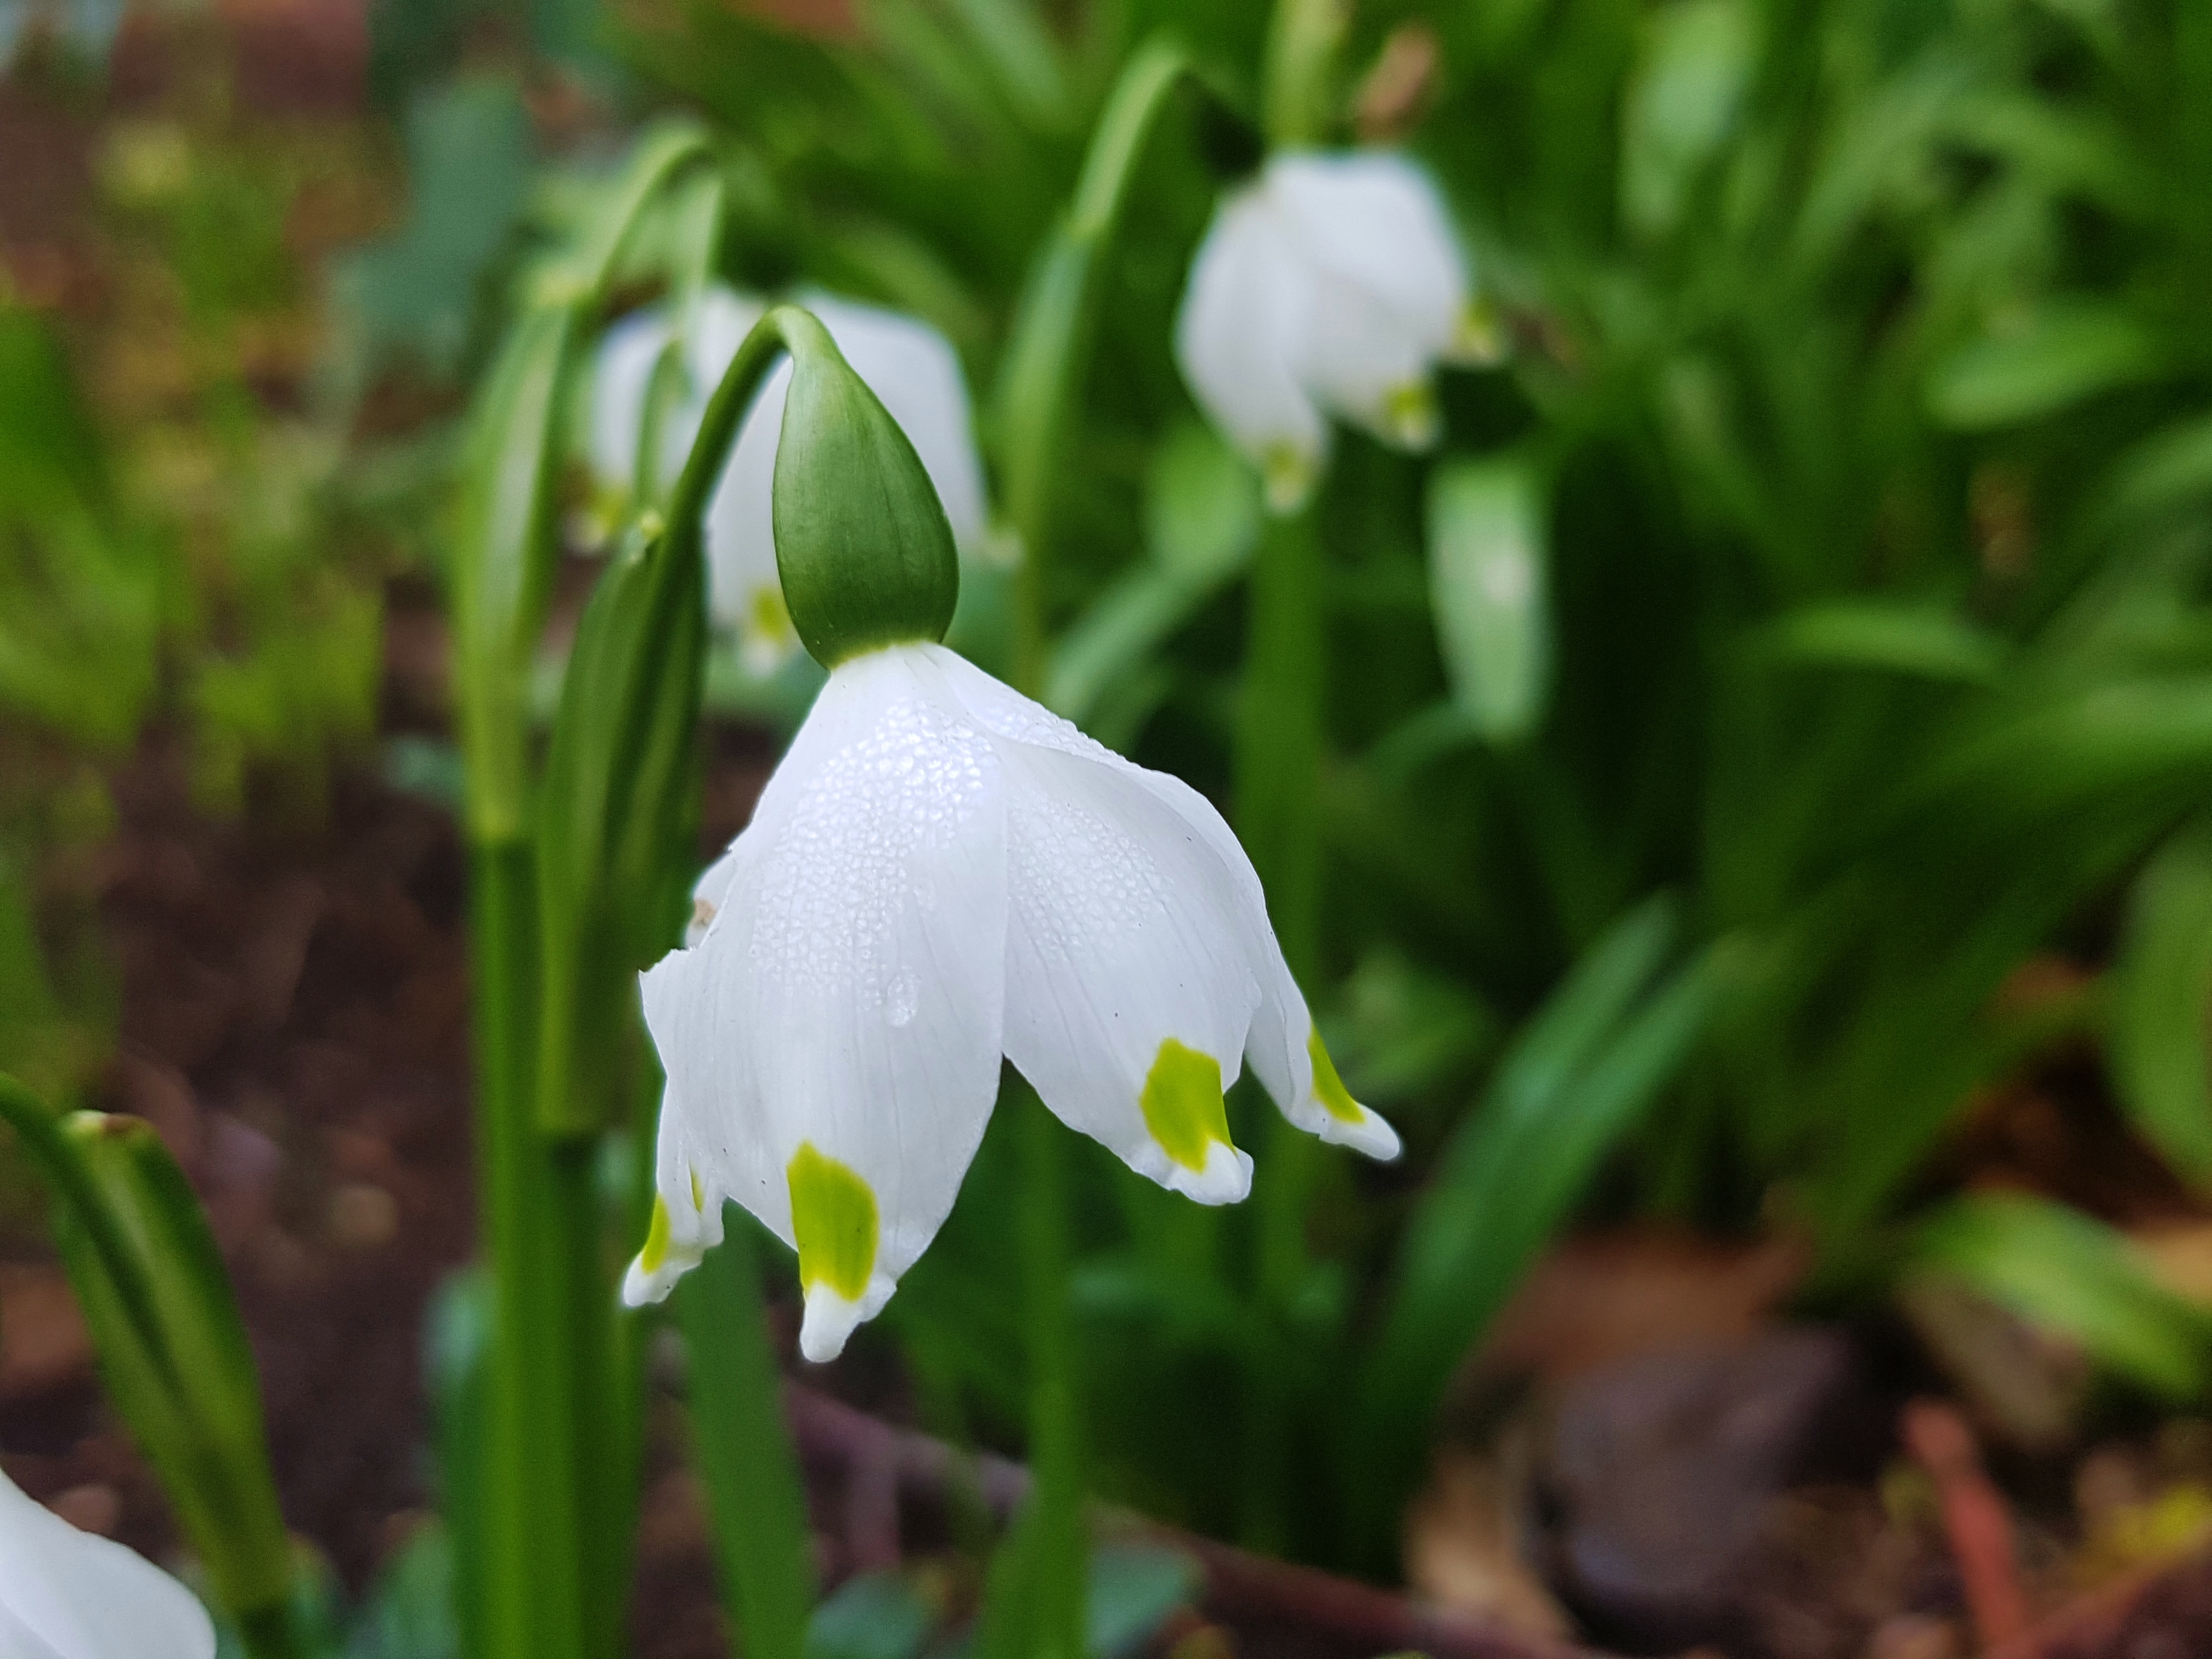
x=1331 y=285
x=905 y=363
x=69 y=1594
x=939 y=872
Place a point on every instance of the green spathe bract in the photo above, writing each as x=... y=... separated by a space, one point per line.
x=862 y=545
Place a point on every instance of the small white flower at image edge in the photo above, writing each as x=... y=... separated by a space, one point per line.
x=70 y=1595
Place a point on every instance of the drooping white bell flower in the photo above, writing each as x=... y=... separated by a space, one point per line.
x=942 y=871
x=1332 y=284
x=70 y=1595
x=907 y=364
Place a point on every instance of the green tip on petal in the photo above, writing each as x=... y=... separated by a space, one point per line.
x=834 y=1222
x=662 y=1261
x=1329 y=1088
x=654 y=1256
x=1480 y=340
x=1183 y=1106
x=833 y=1217
x=1409 y=415
x=1287 y=475
x=1344 y=1120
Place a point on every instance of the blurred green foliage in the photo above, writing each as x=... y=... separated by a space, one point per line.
x=180 y=554
x=1851 y=462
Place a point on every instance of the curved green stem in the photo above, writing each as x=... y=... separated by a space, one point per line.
x=1050 y=345
x=1303 y=37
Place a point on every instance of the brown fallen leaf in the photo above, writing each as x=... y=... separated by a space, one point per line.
x=1464 y=1544
x=43 y=1339
x=1607 y=1296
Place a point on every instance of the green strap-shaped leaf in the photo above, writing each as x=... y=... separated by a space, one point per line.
x=1580 y=1076
x=617 y=818
x=2055 y=1267
x=2162 y=1009
x=502 y=563
x=1202 y=520
x=172 y=1348
x=1893 y=638
x=743 y=1449
x=2067 y=353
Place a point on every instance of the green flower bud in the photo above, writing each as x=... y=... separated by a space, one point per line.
x=862 y=546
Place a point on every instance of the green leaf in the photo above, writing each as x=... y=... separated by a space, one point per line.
x=1487 y=582
x=876 y=1615
x=2161 y=1030
x=1202 y=521
x=408 y=1612
x=2167 y=471
x=763 y=1552
x=457 y=1365
x=1578 y=1078
x=2068 y=351
x=1048 y=349
x=618 y=814
x=504 y=561
x=1135 y=1589
x=1201 y=507
x=1889 y=638
x=1689 y=83
x=468 y=164
x=2055 y=1267
x=173 y=1349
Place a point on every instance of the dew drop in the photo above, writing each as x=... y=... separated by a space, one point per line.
x=902 y=997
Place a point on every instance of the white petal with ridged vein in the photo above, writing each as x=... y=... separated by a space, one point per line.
x=1123 y=936
x=848 y=994
x=1281 y=1027
x=69 y=1594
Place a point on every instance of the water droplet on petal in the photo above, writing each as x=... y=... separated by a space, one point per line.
x=902 y=997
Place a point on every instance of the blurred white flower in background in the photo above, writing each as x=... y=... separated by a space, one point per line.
x=70 y=1595
x=939 y=872
x=1331 y=284
x=905 y=362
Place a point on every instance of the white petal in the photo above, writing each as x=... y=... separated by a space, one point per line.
x=1247 y=308
x=842 y=1012
x=742 y=581
x=69 y=1594
x=1391 y=284
x=1282 y=1040
x=725 y=317
x=1129 y=991
x=687 y=1218
x=621 y=373
x=1374 y=220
